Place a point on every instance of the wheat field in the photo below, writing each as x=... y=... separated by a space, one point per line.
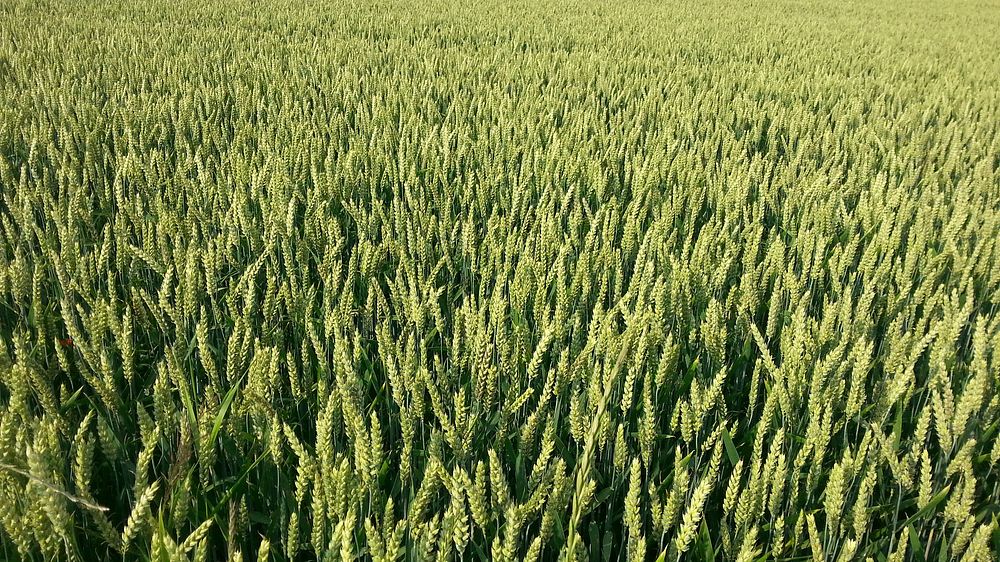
x=292 y=280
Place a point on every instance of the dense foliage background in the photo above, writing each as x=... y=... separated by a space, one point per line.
x=302 y=280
